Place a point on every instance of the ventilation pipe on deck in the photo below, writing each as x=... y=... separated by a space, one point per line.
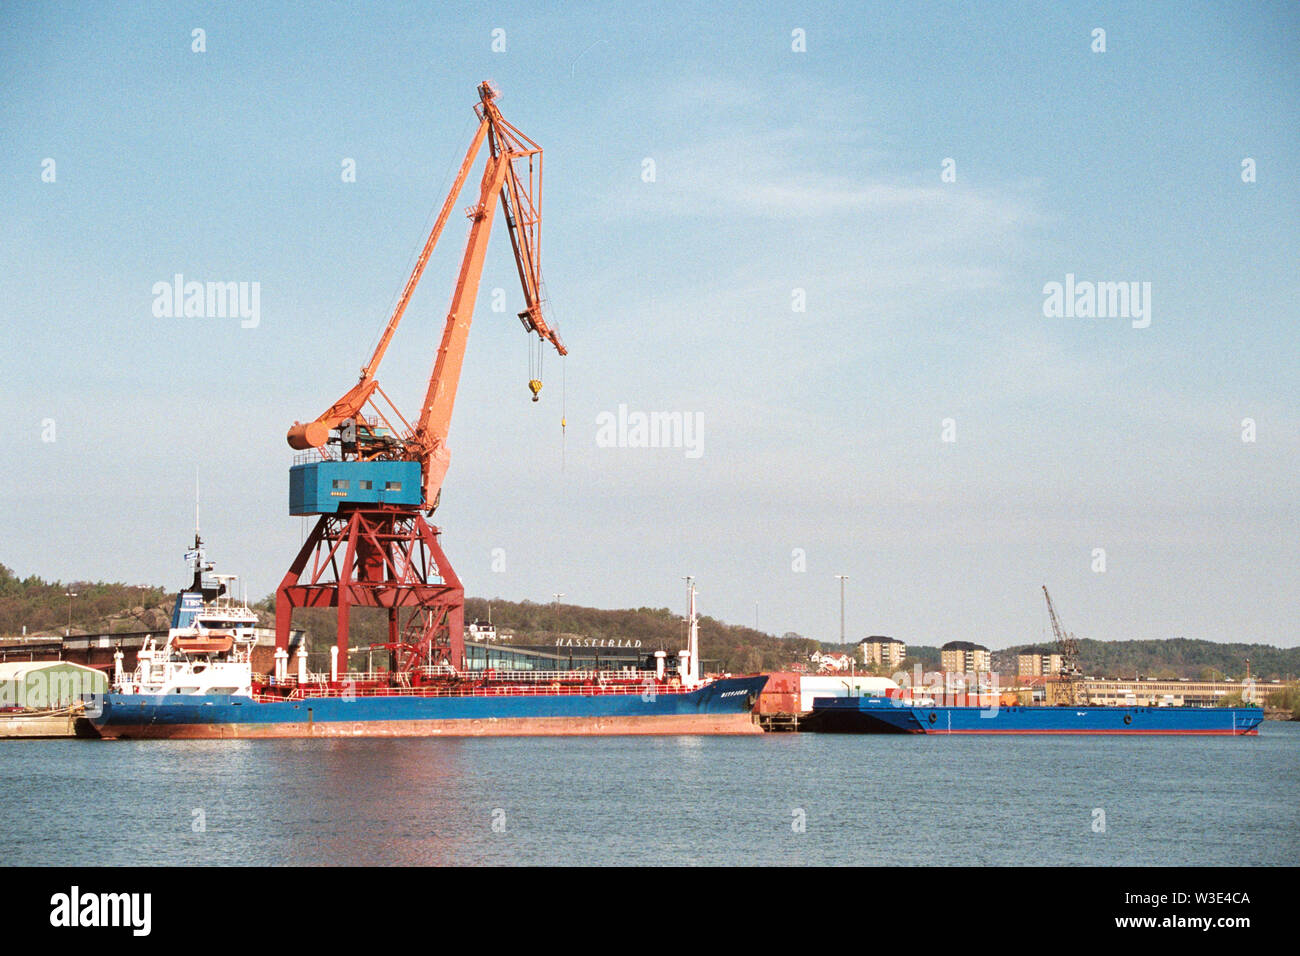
x=689 y=659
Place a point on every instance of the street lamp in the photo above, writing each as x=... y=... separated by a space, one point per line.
x=143 y=594
x=843 y=578
x=70 y=595
x=557 y=598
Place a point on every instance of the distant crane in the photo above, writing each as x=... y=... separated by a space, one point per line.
x=371 y=474
x=1071 y=675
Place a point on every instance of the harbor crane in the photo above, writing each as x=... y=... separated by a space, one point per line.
x=371 y=474
x=1070 y=676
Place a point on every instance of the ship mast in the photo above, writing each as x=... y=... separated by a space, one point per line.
x=690 y=657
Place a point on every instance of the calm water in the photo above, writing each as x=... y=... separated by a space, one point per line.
x=679 y=800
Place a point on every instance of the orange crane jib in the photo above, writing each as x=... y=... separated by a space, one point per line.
x=386 y=434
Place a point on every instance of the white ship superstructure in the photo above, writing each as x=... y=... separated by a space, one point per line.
x=209 y=646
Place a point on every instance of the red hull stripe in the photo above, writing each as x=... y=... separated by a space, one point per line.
x=724 y=724
x=1254 y=732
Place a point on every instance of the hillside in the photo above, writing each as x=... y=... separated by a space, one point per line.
x=1173 y=658
x=723 y=646
x=106 y=607
x=102 y=607
x=1162 y=660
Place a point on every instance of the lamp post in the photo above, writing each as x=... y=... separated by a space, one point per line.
x=68 y=630
x=843 y=578
x=143 y=591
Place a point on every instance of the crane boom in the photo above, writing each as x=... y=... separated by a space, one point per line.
x=434 y=234
x=425 y=441
x=1051 y=613
x=316 y=433
x=524 y=219
x=435 y=415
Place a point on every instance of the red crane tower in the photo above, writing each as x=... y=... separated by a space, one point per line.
x=372 y=475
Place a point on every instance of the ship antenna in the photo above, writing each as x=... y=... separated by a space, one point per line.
x=196 y=506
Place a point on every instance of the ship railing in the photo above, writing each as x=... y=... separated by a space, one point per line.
x=504 y=690
x=547 y=677
x=324 y=453
x=363 y=677
x=345 y=677
x=498 y=674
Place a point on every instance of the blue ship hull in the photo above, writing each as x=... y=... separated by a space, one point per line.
x=721 y=707
x=867 y=715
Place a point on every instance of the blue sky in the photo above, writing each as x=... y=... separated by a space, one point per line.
x=775 y=170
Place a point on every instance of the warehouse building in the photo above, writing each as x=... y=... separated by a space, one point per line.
x=47 y=685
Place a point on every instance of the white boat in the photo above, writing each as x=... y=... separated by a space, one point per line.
x=209 y=646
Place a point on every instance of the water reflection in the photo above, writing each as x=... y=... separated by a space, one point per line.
x=648 y=801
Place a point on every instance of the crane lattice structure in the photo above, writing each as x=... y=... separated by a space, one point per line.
x=1070 y=677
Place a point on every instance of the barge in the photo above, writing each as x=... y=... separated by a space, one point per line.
x=885 y=715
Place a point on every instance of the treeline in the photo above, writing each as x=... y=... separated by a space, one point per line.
x=726 y=647
x=917 y=655
x=99 y=607
x=1169 y=659
x=103 y=607
x=1284 y=698
x=1173 y=658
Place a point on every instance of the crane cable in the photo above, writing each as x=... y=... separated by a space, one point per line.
x=535 y=368
x=535 y=360
x=563 y=406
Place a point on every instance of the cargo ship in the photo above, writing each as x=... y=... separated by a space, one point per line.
x=201 y=683
x=886 y=715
